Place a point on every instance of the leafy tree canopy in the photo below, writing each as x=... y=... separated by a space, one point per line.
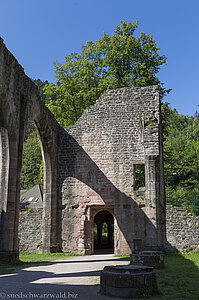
x=119 y=60
x=181 y=157
x=115 y=61
x=41 y=85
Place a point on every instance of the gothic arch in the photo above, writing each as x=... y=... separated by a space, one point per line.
x=48 y=143
x=20 y=105
x=9 y=183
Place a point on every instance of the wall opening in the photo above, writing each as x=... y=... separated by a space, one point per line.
x=104 y=232
x=31 y=193
x=32 y=163
x=139 y=176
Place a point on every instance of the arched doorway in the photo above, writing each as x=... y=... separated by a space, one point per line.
x=104 y=232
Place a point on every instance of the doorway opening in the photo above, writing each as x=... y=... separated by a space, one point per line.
x=104 y=232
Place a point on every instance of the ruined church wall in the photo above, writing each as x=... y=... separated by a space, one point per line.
x=20 y=105
x=182 y=230
x=97 y=158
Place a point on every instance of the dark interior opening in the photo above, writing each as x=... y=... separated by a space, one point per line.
x=104 y=232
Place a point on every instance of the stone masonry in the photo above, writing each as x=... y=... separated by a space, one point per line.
x=182 y=230
x=108 y=164
x=20 y=105
x=98 y=157
x=30 y=233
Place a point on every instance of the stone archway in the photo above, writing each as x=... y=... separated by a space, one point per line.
x=49 y=149
x=9 y=179
x=104 y=232
x=20 y=105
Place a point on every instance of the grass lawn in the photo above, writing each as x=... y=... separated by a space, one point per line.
x=179 y=279
x=44 y=257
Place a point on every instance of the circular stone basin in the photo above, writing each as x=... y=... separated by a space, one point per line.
x=127 y=281
x=153 y=259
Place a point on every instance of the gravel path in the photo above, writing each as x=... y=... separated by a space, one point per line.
x=69 y=278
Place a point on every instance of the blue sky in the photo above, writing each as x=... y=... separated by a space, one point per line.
x=40 y=31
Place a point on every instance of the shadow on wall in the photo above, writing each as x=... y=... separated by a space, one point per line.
x=2 y=229
x=133 y=223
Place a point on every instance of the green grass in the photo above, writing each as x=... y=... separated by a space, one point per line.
x=26 y=259
x=123 y=256
x=43 y=257
x=180 y=278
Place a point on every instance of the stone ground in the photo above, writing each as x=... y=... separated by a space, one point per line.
x=69 y=278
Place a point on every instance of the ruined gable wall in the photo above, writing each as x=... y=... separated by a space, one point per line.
x=96 y=166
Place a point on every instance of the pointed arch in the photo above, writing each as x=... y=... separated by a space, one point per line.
x=20 y=105
x=48 y=142
x=9 y=181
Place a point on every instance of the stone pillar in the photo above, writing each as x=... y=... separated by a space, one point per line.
x=4 y=173
x=10 y=192
x=49 y=222
x=151 y=201
x=48 y=143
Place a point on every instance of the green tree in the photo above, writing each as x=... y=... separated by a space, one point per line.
x=32 y=167
x=41 y=85
x=114 y=61
x=181 y=157
x=119 y=60
x=32 y=160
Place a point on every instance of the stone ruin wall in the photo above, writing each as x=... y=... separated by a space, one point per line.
x=97 y=159
x=30 y=235
x=20 y=105
x=182 y=230
x=96 y=172
x=93 y=175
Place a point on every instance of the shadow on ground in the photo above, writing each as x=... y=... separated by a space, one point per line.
x=31 y=283
x=179 y=280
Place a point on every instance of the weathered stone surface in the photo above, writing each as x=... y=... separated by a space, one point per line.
x=127 y=281
x=88 y=167
x=97 y=161
x=30 y=233
x=19 y=106
x=182 y=230
x=153 y=259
